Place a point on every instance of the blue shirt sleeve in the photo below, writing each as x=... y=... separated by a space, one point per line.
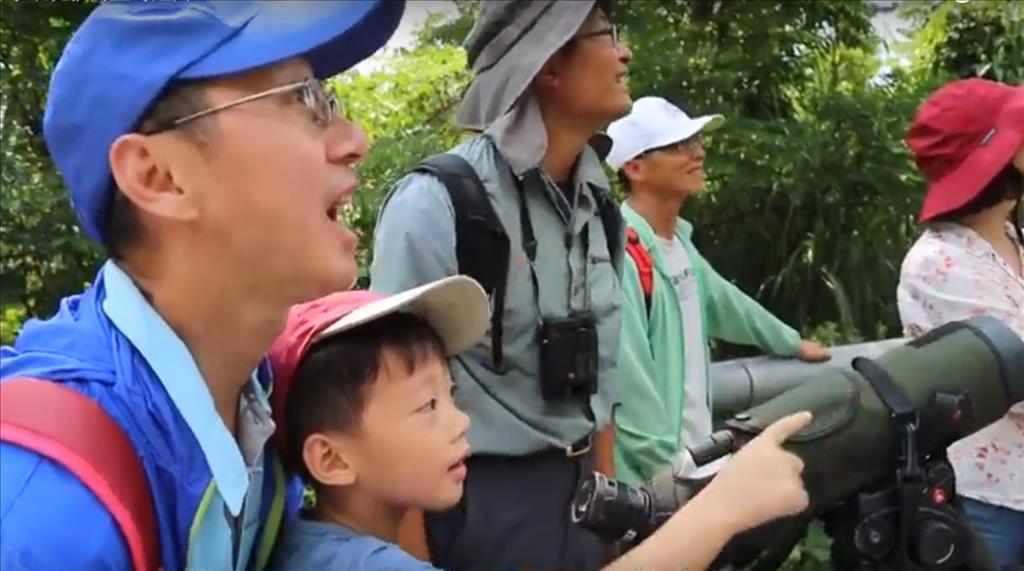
x=50 y=520
x=414 y=240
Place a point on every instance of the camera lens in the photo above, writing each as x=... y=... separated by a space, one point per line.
x=583 y=503
x=613 y=510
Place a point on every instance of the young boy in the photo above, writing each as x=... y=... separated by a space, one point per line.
x=369 y=421
x=365 y=414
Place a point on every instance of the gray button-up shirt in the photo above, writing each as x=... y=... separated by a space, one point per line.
x=414 y=243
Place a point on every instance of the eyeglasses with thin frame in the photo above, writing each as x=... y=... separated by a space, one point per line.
x=691 y=143
x=323 y=104
x=612 y=31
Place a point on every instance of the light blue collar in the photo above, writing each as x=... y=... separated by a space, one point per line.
x=173 y=364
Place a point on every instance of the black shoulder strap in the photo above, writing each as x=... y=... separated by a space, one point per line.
x=481 y=243
x=614 y=225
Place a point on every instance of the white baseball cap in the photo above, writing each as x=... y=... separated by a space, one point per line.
x=456 y=308
x=653 y=122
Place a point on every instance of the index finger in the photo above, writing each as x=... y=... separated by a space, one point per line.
x=787 y=426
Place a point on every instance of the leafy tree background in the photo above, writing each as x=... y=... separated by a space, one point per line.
x=811 y=199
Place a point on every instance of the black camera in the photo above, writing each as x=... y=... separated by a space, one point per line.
x=568 y=356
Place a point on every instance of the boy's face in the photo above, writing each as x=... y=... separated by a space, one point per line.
x=410 y=449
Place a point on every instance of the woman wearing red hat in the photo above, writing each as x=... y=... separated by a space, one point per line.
x=968 y=140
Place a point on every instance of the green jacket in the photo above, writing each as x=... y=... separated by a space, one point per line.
x=652 y=355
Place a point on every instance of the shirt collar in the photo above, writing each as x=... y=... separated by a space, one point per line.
x=173 y=364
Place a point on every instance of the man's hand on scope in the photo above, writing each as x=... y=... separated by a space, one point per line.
x=762 y=482
x=812 y=352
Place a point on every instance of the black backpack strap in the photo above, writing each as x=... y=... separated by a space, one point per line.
x=481 y=243
x=614 y=225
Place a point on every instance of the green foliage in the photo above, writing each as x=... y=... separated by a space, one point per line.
x=983 y=38
x=11 y=319
x=811 y=554
x=736 y=58
x=43 y=256
x=406 y=110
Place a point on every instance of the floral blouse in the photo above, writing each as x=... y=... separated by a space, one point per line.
x=952 y=273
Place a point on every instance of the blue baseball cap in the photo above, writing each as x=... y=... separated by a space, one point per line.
x=125 y=53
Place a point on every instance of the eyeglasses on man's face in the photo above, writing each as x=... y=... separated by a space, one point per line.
x=311 y=93
x=688 y=144
x=611 y=31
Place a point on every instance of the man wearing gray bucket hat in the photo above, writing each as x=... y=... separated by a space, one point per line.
x=548 y=77
x=550 y=242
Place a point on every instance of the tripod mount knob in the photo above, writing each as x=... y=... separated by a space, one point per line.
x=935 y=543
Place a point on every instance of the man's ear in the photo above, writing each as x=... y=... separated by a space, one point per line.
x=329 y=460
x=141 y=170
x=547 y=77
x=634 y=170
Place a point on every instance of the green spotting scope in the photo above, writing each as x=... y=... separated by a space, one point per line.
x=741 y=384
x=874 y=455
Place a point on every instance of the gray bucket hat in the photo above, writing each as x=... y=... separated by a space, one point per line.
x=509 y=42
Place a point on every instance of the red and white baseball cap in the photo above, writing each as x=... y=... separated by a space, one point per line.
x=961 y=137
x=455 y=307
x=653 y=122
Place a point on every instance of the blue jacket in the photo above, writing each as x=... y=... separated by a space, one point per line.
x=48 y=519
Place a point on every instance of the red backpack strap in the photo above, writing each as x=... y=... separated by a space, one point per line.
x=644 y=264
x=72 y=430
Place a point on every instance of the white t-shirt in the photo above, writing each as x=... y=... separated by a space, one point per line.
x=696 y=424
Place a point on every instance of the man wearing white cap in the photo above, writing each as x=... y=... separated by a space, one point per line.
x=673 y=300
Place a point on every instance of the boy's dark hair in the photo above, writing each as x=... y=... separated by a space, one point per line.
x=1007 y=185
x=328 y=391
x=122 y=228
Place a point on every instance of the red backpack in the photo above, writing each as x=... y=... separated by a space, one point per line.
x=72 y=430
x=644 y=264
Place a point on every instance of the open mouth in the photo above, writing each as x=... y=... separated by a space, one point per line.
x=459 y=467
x=342 y=203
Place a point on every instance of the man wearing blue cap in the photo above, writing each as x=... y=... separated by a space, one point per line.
x=201 y=149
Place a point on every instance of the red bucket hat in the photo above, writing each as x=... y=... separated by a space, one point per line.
x=456 y=307
x=961 y=137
